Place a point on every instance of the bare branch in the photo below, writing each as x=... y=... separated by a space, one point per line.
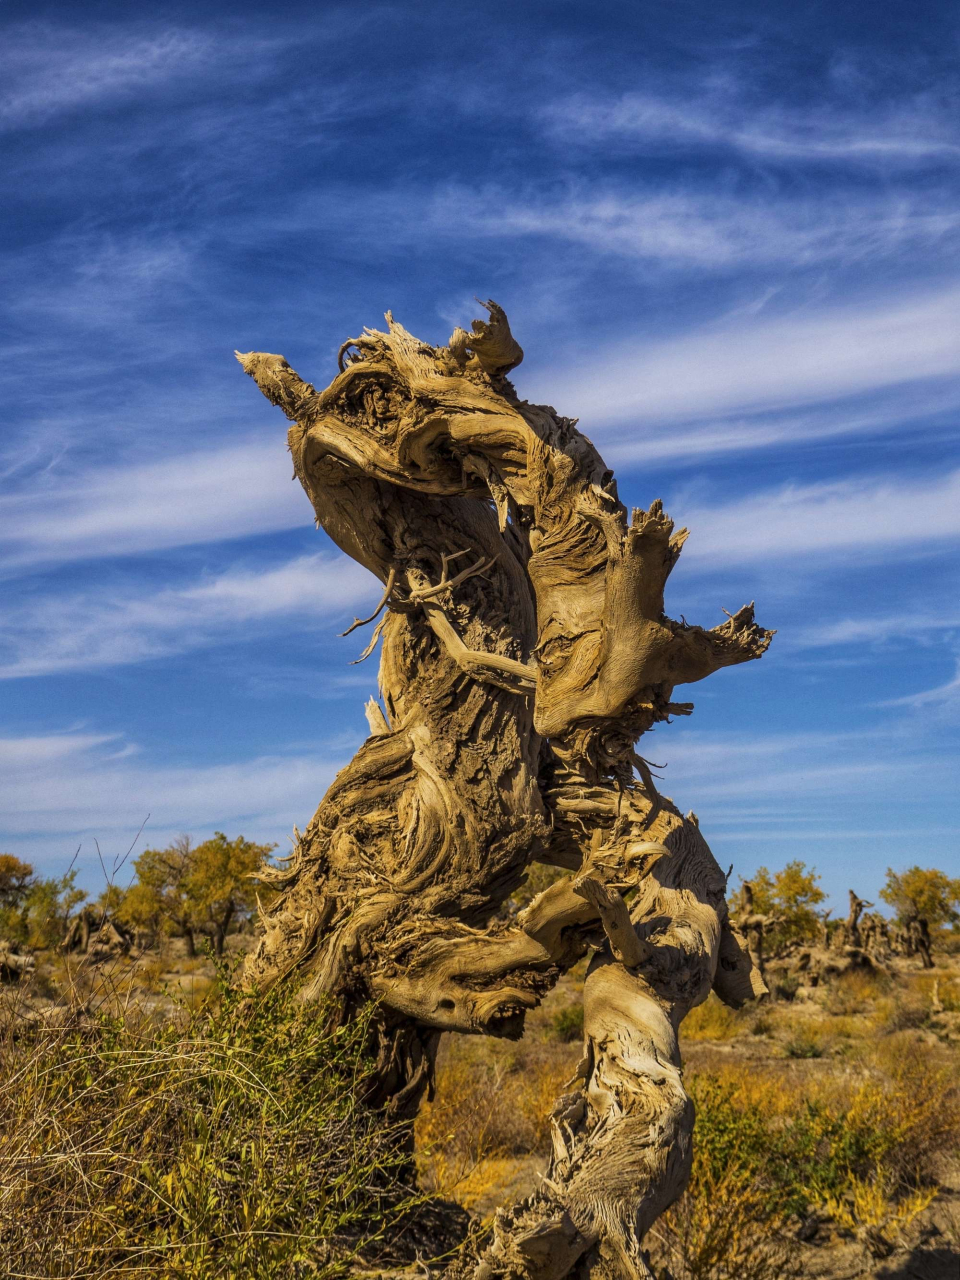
x=506 y=673
x=615 y=917
x=384 y=601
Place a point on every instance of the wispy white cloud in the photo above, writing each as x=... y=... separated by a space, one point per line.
x=48 y=68
x=764 y=796
x=228 y=492
x=239 y=491
x=60 y=791
x=673 y=226
x=904 y=133
x=98 y=278
x=944 y=698
x=133 y=623
x=796 y=777
x=707 y=231
x=789 y=770
x=28 y=753
x=892 y=411
x=820 y=523
x=908 y=624
x=818 y=355
x=66 y=790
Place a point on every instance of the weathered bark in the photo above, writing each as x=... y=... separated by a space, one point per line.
x=14 y=964
x=95 y=934
x=918 y=940
x=851 y=926
x=525 y=651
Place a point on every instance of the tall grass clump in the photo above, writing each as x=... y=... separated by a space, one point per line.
x=229 y=1142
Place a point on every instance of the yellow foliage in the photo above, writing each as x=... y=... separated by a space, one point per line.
x=793 y=893
x=767 y=1144
x=898 y=1013
x=722 y=1228
x=851 y=992
x=842 y=1028
x=947 y=990
x=914 y=1109
x=869 y=1208
x=928 y=893
x=765 y=1091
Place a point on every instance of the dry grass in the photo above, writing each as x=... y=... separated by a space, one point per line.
x=852 y=993
x=227 y=1142
x=855 y=1138
x=713 y=1020
x=774 y=1142
x=487 y=1116
x=899 y=1013
x=768 y=1148
x=870 y=1209
x=723 y=1229
x=947 y=988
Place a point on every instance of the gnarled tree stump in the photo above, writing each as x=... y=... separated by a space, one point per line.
x=525 y=650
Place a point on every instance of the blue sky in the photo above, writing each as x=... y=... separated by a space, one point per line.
x=726 y=237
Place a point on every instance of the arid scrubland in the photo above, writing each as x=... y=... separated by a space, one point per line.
x=154 y=1123
x=341 y=1100
x=827 y=1134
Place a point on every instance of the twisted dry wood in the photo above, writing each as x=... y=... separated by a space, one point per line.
x=525 y=649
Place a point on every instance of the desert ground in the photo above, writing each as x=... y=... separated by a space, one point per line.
x=828 y=1124
x=866 y=1062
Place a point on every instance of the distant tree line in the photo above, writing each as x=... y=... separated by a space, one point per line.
x=33 y=911
x=192 y=890
x=185 y=890
x=792 y=897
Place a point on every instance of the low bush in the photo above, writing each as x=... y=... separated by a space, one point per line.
x=722 y=1229
x=932 y=988
x=768 y=1152
x=568 y=1023
x=229 y=1142
x=488 y=1116
x=784 y=986
x=869 y=1211
x=805 y=1044
x=900 y=1013
x=852 y=992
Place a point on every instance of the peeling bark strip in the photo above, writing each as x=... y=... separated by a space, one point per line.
x=525 y=650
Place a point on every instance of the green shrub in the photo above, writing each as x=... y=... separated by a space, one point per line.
x=767 y=1151
x=785 y=986
x=568 y=1023
x=233 y=1143
x=803 y=1045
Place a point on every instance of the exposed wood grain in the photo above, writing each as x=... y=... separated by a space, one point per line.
x=525 y=650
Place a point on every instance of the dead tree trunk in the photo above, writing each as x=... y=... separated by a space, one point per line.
x=852 y=923
x=525 y=651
